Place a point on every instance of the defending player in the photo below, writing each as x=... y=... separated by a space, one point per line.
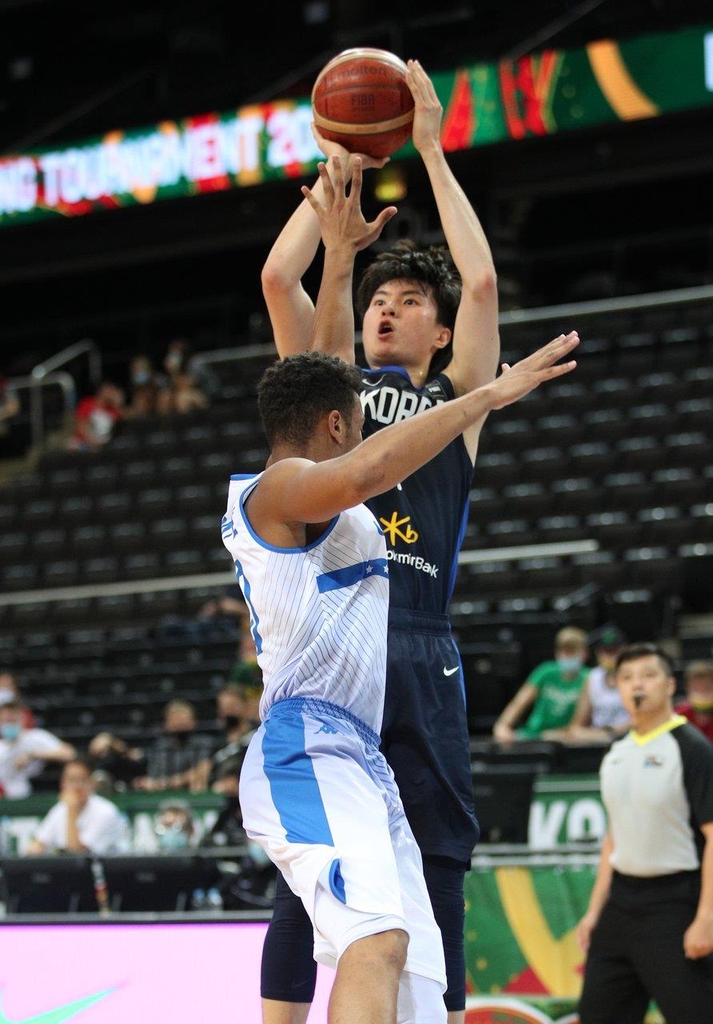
x=316 y=791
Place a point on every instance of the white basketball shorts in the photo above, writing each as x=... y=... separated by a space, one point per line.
x=317 y=794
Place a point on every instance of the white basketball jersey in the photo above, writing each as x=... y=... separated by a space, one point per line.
x=318 y=614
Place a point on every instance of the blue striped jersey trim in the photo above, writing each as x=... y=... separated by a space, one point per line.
x=351 y=574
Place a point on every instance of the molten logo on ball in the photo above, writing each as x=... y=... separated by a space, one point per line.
x=361 y=101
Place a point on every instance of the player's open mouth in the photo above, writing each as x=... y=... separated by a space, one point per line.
x=385 y=328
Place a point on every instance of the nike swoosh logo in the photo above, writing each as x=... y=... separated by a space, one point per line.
x=60 y=1014
x=449 y=671
x=372 y=383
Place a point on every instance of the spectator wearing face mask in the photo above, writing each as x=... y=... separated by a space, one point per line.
x=175 y=826
x=145 y=387
x=550 y=693
x=179 y=756
x=191 y=386
x=10 y=691
x=601 y=716
x=25 y=752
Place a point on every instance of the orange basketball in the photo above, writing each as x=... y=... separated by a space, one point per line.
x=361 y=100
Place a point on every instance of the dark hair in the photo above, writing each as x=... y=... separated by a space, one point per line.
x=642 y=650
x=432 y=267
x=83 y=762
x=293 y=394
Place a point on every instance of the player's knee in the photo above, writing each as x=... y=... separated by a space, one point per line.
x=384 y=952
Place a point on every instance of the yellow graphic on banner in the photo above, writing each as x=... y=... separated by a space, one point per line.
x=556 y=962
x=613 y=77
x=393 y=531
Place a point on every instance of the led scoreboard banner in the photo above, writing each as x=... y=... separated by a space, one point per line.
x=538 y=95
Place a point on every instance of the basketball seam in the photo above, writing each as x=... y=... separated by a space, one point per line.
x=372 y=128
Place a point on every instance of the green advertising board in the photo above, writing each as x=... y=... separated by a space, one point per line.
x=538 y=95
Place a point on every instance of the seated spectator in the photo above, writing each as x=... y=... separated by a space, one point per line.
x=180 y=358
x=181 y=396
x=9 y=407
x=186 y=391
x=145 y=387
x=81 y=821
x=226 y=613
x=9 y=691
x=25 y=752
x=229 y=602
x=178 y=757
x=697 y=706
x=600 y=716
x=96 y=416
x=550 y=693
x=175 y=826
x=237 y=713
x=114 y=758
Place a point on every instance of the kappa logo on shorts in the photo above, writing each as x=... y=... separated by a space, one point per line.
x=328 y=729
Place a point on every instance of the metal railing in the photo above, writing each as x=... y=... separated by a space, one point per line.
x=40 y=375
x=64 y=381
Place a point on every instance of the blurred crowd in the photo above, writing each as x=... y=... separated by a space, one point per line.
x=181 y=384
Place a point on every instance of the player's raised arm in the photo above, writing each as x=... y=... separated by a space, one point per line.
x=337 y=472
x=290 y=307
x=476 y=342
x=344 y=232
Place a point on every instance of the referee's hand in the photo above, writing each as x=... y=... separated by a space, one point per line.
x=698 y=937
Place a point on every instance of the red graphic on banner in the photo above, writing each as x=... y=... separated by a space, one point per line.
x=459 y=122
x=525 y=89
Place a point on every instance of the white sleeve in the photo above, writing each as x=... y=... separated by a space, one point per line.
x=106 y=831
x=51 y=832
x=39 y=742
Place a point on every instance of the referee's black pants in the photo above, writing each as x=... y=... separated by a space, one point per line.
x=636 y=955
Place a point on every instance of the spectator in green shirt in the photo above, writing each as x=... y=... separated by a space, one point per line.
x=550 y=693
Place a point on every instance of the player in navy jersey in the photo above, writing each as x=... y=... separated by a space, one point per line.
x=430 y=334
x=316 y=791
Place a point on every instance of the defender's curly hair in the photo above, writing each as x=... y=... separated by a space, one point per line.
x=295 y=392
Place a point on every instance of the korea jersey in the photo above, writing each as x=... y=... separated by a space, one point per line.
x=318 y=613
x=424 y=518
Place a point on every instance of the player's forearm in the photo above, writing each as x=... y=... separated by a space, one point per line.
x=464 y=233
x=290 y=308
x=334 y=312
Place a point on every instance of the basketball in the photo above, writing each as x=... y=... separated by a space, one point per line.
x=360 y=99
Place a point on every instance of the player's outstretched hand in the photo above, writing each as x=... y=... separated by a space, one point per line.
x=330 y=148
x=428 y=111
x=340 y=216
x=517 y=381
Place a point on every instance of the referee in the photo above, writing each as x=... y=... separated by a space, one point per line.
x=648 y=932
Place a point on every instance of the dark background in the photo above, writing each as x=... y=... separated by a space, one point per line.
x=611 y=211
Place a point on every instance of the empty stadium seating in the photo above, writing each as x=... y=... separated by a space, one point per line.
x=618 y=455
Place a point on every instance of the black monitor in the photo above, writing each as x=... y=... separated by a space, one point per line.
x=157 y=882
x=56 y=883
x=503 y=796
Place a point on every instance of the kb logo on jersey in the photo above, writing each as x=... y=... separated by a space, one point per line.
x=396 y=529
x=393 y=529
